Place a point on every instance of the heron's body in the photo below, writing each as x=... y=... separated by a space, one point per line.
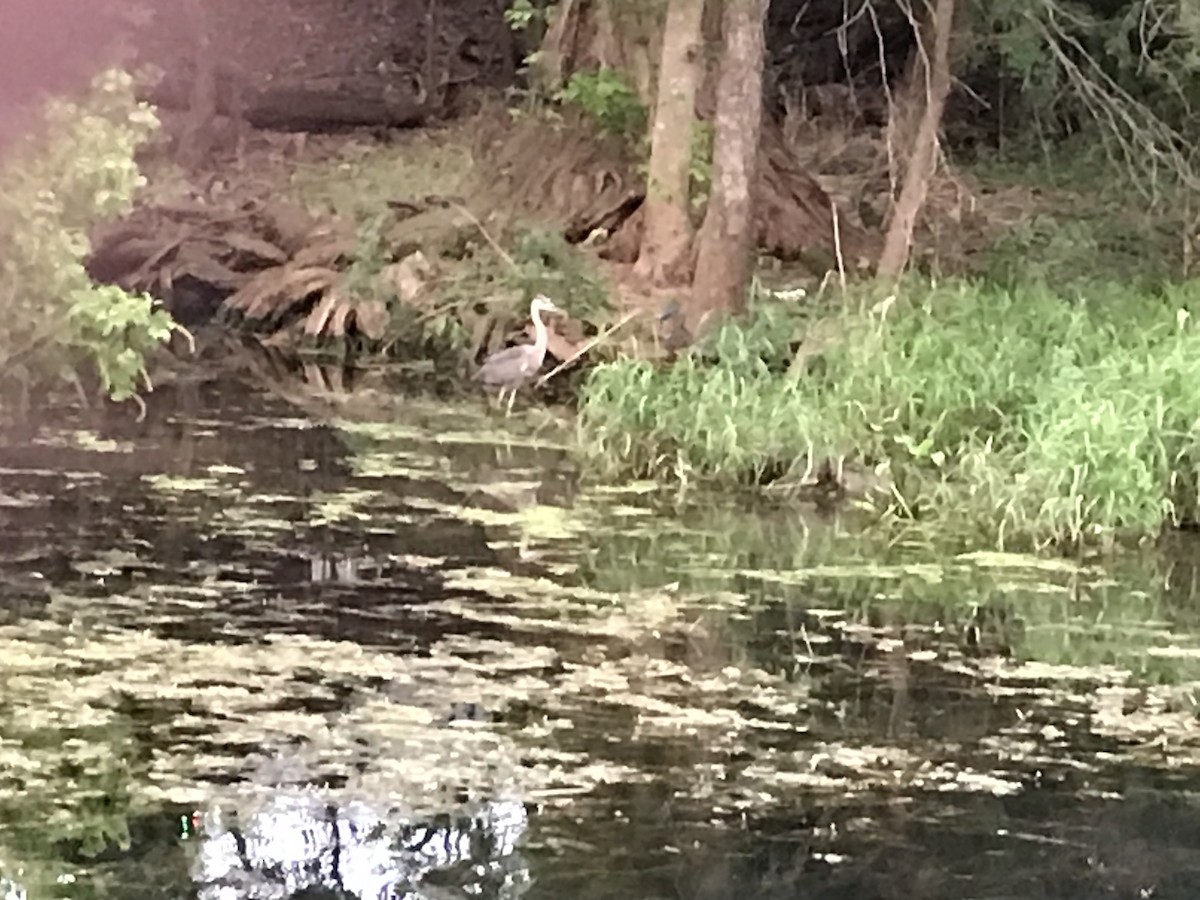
x=511 y=368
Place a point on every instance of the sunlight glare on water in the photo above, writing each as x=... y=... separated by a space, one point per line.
x=352 y=847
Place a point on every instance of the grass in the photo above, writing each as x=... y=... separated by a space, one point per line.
x=1015 y=415
x=358 y=178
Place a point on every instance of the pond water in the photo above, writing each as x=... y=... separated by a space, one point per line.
x=248 y=651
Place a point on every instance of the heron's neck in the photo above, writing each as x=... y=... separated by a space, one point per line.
x=541 y=337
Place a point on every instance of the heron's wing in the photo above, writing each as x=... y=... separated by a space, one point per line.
x=504 y=364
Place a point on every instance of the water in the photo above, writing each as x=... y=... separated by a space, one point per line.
x=385 y=651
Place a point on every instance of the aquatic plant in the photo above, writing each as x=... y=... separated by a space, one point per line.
x=75 y=171
x=1011 y=413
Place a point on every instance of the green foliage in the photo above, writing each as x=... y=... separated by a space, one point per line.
x=528 y=21
x=547 y=264
x=372 y=251
x=542 y=262
x=701 y=164
x=356 y=185
x=522 y=14
x=604 y=95
x=1021 y=415
x=607 y=98
x=1010 y=33
x=1120 y=73
x=54 y=186
x=416 y=334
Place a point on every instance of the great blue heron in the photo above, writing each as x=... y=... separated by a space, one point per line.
x=510 y=368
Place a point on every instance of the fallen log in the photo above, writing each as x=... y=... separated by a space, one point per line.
x=322 y=104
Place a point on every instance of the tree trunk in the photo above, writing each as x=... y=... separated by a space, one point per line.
x=613 y=34
x=897 y=243
x=551 y=58
x=196 y=141
x=724 y=251
x=667 y=235
x=906 y=106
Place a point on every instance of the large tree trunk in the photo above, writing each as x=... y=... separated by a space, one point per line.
x=922 y=159
x=726 y=242
x=667 y=235
x=613 y=34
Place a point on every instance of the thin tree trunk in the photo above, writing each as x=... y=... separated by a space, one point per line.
x=667 y=238
x=196 y=141
x=897 y=243
x=551 y=55
x=724 y=250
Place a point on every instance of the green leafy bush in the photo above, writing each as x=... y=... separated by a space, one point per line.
x=76 y=170
x=522 y=14
x=607 y=98
x=542 y=263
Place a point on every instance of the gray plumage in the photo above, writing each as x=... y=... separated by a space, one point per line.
x=511 y=368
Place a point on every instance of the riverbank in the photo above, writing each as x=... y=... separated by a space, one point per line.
x=988 y=407
x=1014 y=417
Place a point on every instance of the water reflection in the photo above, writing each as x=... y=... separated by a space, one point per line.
x=335 y=569
x=296 y=843
x=404 y=656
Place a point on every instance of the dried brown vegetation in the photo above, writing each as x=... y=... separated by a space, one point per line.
x=564 y=173
x=271 y=262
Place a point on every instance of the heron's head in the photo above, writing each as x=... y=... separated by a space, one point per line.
x=543 y=304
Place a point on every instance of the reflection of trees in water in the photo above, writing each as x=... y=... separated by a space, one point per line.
x=298 y=845
x=1041 y=845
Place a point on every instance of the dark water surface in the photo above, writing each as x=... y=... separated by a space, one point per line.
x=249 y=652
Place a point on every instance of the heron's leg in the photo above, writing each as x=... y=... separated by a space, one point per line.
x=512 y=395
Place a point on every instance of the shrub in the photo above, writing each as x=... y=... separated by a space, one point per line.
x=77 y=170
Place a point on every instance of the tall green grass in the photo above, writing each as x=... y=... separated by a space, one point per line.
x=1018 y=415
